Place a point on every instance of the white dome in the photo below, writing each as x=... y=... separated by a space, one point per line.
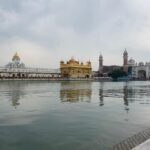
x=131 y=62
x=141 y=64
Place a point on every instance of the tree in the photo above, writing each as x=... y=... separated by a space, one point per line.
x=117 y=73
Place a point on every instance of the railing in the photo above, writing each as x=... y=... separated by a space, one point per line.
x=29 y=70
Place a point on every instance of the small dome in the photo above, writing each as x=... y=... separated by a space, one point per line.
x=72 y=59
x=62 y=62
x=131 y=62
x=16 y=57
x=141 y=64
x=89 y=62
x=22 y=65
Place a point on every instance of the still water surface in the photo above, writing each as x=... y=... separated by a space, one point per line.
x=71 y=115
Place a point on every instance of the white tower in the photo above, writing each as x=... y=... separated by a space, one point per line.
x=100 y=64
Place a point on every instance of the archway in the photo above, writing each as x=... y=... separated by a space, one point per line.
x=13 y=76
x=87 y=76
x=19 y=75
x=23 y=75
x=142 y=74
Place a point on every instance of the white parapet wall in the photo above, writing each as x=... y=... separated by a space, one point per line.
x=6 y=72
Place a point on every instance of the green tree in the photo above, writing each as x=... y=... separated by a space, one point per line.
x=117 y=73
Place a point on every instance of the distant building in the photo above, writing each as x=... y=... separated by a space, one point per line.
x=135 y=70
x=141 y=70
x=104 y=70
x=74 y=69
x=17 y=69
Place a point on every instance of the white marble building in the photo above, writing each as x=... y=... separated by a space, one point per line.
x=17 y=69
x=139 y=70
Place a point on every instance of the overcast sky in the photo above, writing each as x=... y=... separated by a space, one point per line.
x=44 y=32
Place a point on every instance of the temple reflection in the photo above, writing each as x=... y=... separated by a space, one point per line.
x=101 y=96
x=125 y=97
x=15 y=92
x=75 y=91
x=128 y=96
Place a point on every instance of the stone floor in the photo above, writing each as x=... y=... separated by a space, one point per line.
x=132 y=143
x=143 y=146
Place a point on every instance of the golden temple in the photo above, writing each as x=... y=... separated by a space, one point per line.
x=75 y=69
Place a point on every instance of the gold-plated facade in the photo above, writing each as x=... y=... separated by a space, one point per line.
x=75 y=69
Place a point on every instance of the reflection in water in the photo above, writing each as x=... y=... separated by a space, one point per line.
x=126 y=94
x=15 y=100
x=129 y=95
x=70 y=125
x=16 y=91
x=24 y=93
x=101 y=94
x=125 y=98
x=75 y=91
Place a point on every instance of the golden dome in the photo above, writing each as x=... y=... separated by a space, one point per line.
x=16 y=57
x=62 y=62
x=89 y=62
x=72 y=59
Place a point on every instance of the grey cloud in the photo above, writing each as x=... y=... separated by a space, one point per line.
x=83 y=28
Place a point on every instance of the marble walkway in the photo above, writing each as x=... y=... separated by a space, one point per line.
x=140 y=141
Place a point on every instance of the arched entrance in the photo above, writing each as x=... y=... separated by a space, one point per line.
x=142 y=74
x=13 y=76
x=87 y=76
x=19 y=75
